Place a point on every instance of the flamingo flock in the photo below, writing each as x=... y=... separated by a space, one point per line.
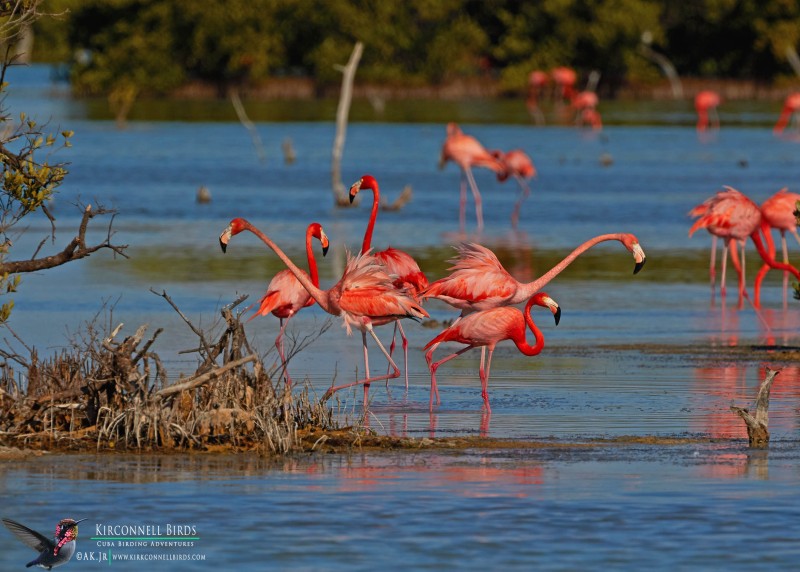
x=386 y=287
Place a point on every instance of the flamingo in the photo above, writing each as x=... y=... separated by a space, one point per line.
x=409 y=277
x=285 y=295
x=791 y=106
x=519 y=165
x=585 y=106
x=778 y=212
x=467 y=152
x=565 y=79
x=479 y=282
x=706 y=103
x=364 y=297
x=537 y=80
x=732 y=216
x=485 y=329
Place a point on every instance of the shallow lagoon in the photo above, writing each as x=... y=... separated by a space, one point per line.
x=645 y=355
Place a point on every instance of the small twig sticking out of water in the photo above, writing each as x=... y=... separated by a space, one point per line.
x=399 y=202
x=757 y=432
x=249 y=125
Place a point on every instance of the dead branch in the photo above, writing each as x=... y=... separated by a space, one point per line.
x=757 y=426
x=203 y=378
x=399 y=202
x=340 y=196
x=75 y=250
x=249 y=125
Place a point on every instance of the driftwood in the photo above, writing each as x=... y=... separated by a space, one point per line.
x=249 y=125
x=340 y=195
x=199 y=380
x=757 y=426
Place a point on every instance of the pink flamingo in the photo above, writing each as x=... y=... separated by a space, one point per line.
x=585 y=106
x=732 y=216
x=791 y=106
x=479 y=281
x=537 y=81
x=519 y=165
x=398 y=263
x=485 y=329
x=565 y=79
x=285 y=295
x=466 y=152
x=706 y=103
x=778 y=212
x=364 y=297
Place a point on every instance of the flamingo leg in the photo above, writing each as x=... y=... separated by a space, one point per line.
x=280 y=348
x=484 y=374
x=404 y=343
x=434 y=366
x=785 y=272
x=462 y=205
x=525 y=191
x=712 y=269
x=476 y=194
x=368 y=380
x=724 y=269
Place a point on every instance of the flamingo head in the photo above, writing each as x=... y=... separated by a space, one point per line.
x=545 y=301
x=236 y=226
x=365 y=182
x=319 y=234
x=632 y=244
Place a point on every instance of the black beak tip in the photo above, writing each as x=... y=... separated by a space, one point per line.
x=324 y=250
x=223 y=245
x=557 y=315
x=352 y=197
x=639 y=266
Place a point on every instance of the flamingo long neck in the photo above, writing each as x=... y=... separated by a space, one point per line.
x=521 y=343
x=531 y=288
x=765 y=255
x=783 y=120
x=376 y=199
x=312 y=262
x=318 y=295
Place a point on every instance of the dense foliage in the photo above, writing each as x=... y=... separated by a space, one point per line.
x=156 y=45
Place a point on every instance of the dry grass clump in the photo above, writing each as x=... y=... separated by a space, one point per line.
x=110 y=394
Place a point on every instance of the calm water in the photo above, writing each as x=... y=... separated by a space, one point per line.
x=688 y=506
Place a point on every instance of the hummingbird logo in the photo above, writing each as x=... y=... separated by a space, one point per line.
x=53 y=552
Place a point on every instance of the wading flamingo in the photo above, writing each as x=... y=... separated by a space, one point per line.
x=706 y=103
x=537 y=81
x=285 y=296
x=585 y=106
x=565 y=79
x=778 y=212
x=789 y=113
x=485 y=329
x=467 y=152
x=479 y=282
x=364 y=297
x=409 y=277
x=732 y=216
x=520 y=166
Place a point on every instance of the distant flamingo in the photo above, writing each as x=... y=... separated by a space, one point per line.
x=466 y=152
x=706 y=103
x=398 y=263
x=364 y=297
x=285 y=295
x=485 y=329
x=537 y=80
x=789 y=113
x=732 y=216
x=778 y=212
x=565 y=79
x=585 y=106
x=519 y=165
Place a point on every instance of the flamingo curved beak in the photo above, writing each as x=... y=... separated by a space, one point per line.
x=354 y=188
x=639 y=257
x=224 y=238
